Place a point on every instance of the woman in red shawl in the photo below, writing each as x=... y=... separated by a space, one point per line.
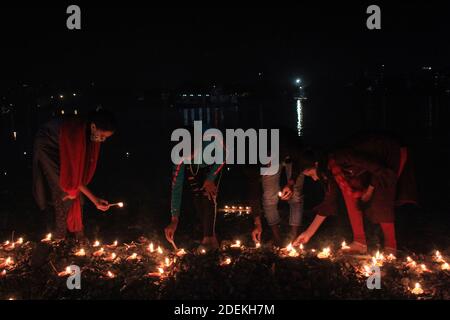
x=373 y=175
x=64 y=161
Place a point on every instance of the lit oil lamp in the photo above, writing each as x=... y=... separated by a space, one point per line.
x=181 y=253
x=390 y=258
x=344 y=246
x=167 y=262
x=423 y=268
x=438 y=257
x=324 y=254
x=99 y=252
x=110 y=275
x=226 y=262
x=47 y=238
x=258 y=245
x=159 y=250
x=378 y=259
x=9 y=246
x=445 y=266
x=7 y=263
x=80 y=253
x=96 y=244
x=159 y=274
x=417 y=289
x=134 y=256
x=66 y=272
x=151 y=247
x=113 y=245
x=410 y=263
x=237 y=244
x=111 y=257
x=19 y=241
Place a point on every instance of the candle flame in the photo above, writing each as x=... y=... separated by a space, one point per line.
x=301 y=246
x=344 y=246
x=96 y=244
x=120 y=204
x=151 y=247
x=160 y=251
x=111 y=275
x=161 y=271
x=325 y=253
x=181 y=253
x=237 y=244
x=47 y=238
x=445 y=266
x=417 y=289
x=167 y=262
x=99 y=252
x=80 y=253
x=19 y=241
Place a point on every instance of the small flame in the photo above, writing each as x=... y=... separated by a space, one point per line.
x=99 y=252
x=96 y=244
x=160 y=251
x=344 y=246
x=445 y=266
x=47 y=238
x=226 y=262
x=19 y=241
x=111 y=275
x=161 y=271
x=325 y=253
x=280 y=194
x=181 y=253
x=80 y=253
x=151 y=247
x=237 y=244
x=258 y=245
x=120 y=204
x=417 y=289
x=167 y=262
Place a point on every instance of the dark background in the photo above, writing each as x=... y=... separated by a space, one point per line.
x=138 y=61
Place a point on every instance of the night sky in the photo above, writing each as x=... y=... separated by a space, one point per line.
x=179 y=46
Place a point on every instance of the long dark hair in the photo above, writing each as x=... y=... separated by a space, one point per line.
x=103 y=119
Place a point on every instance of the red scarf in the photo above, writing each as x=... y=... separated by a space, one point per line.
x=78 y=158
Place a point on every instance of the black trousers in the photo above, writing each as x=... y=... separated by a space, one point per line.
x=202 y=205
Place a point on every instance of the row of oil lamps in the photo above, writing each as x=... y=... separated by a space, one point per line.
x=377 y=260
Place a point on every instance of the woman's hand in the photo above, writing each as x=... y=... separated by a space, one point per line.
x=303 y=238
x=287 y=193
x=367 y=196
x=169 y=231
x=210 y=189
x=257 y=231
x=101 y=204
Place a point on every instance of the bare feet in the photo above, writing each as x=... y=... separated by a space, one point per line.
x=355 y=248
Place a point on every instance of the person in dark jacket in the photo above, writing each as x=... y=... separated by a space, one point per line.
x=373 y=174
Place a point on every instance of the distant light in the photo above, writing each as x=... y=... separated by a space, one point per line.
x=51 y=97
x=297 y=81
x=199 y=95
x=74 y=94
x=75 y=111
x=299 y=118
x=127 y=154
x=191 y=95
x=5 y=173
x=15 y=135
x=24 y=153
x=38 y=106
x=207 y=95
x=62 y=111
x=184 y=95
x=61 y=96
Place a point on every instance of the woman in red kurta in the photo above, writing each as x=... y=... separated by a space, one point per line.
x=64 y=161
x=373 y=175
